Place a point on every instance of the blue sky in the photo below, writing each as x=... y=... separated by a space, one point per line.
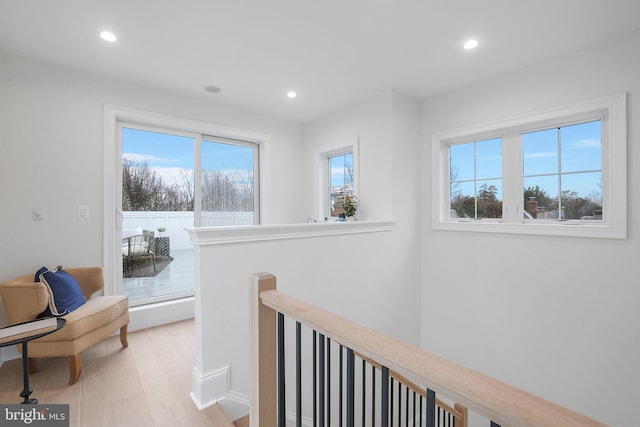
x=579 y=150
x=169 y=155
x=337 y=167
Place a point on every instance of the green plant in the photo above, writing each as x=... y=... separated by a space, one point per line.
x=350 y=205
x=161 y=229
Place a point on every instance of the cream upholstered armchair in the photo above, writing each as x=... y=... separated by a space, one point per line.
x=96 y=319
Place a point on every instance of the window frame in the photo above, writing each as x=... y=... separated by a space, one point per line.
x=114 y=114
x=611 y=109
x=323 y=175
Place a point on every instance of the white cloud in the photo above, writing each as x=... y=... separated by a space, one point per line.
x=172 y=175
x=587 y=143
x=136 y=157
x=541 y=155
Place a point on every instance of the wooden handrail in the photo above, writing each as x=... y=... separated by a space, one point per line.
x=497 y=401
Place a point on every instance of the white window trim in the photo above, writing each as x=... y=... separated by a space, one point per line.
x=112 y=216
x=614 y=172
x=321 y=171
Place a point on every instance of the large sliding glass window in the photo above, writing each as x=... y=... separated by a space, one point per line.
x=172 y=180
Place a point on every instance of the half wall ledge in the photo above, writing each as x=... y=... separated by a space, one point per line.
x=204 y=236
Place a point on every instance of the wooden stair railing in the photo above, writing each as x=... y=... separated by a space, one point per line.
x=504 y=405
x=458 y=411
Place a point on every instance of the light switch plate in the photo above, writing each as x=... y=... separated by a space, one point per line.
x=37 y=214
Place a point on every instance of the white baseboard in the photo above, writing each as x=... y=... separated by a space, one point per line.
x=147 y=316
x=291 y=420
x=210 y=388
x=235 y=405
x=213 y=388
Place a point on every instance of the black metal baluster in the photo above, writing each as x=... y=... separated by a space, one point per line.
x=421 y=399
x=281 y=373
x=384 y=398
x=351 y=371
x=439 y=410
x=321 y=377
x=364 y=391
x=431 y=408
x=298 y=374
x=328 y=381
x=341 y=381
x=406 y=407
x=414 y=408
x=391 y=401
x=373 y=396
x=399 y=403
x=315 y=379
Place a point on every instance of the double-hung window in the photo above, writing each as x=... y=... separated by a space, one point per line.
x=556 y=172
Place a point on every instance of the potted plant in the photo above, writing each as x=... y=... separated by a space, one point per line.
x=350 y=206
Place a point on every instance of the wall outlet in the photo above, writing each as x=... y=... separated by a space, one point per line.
x=83 y=212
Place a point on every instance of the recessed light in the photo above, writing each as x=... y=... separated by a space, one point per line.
x=212 y=89
x=291 y=94
x=470 y=44
x=108 y=36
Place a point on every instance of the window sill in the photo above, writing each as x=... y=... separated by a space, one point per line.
x=204 y=236
x=564 y=229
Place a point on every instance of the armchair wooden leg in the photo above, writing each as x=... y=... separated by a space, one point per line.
x=75 y=368
x=123 y=336
x=33 y=365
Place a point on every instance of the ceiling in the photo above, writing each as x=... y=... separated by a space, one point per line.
x=332 y=53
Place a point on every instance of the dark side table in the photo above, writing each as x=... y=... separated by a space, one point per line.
x=22 y=333
x=163 y=246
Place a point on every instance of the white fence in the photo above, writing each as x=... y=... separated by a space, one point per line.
x=175 y=223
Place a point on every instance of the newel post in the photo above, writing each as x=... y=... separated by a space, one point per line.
x=263 y=411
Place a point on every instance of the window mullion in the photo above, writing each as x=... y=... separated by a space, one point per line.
x=197 y=181
x=512 y=177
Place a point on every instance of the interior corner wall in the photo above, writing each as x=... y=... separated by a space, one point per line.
x=387 y=127
x=556 y=316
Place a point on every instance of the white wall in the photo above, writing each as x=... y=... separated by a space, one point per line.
x=370 y=122
x=558 y=317
x=51 y=142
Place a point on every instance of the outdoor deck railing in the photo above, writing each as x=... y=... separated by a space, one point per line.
x=402 y=386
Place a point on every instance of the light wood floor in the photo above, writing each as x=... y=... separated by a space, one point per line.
x=146 y=384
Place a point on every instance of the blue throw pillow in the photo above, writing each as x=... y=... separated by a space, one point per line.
x=36 y=278
x=64 y=290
